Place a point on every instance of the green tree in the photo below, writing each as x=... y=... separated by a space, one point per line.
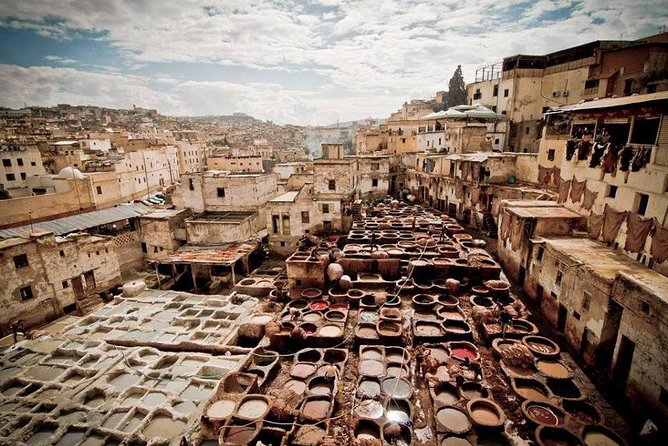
x=456 y=89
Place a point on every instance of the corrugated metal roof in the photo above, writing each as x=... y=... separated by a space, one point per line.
x=80 y=222
x=615 y=102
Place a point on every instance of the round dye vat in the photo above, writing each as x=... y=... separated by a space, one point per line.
x=600 y=436
x=371 y=367
x=582 y=413
x=453 y=420
x=447 y=395
x=253 y=408
x=369 y=409
x=395 y=356
x=462 y=353
x=319 y=305
x=316 y=409
x=555 y=436
x=564 y=388
x=312 y=317
x=241 y=435
x=472 y=390
x=368 y=389
x=455 y=441
x=396 y=388
x=485 y=413
x=396 y=371
x=367 y=332
x=533 y=391
x=297 y=386
x=221 y=409
x=543 y=414
x=330 y=331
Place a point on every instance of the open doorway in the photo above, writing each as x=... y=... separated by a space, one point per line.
x=624 y=360
x=561 y=319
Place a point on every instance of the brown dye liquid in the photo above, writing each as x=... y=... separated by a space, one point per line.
x=453 y=420
x=239 y=435
x=316 y=409
x=485 y=415
x=599 y=439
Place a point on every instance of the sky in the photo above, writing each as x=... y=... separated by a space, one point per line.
x=304 y=62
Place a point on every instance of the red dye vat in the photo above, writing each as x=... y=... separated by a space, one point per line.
x=319 y=305
x=463 y=353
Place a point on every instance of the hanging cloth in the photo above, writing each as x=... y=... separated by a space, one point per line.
x=544 y=175
x=577 y=187
x=612 y=221
x=517 y=227
x=571 y=145
x=466 y=169
x=609 y=164
x=564 y=187
x=637 y=232
x=505 y=225
x=625 y=157
x=599 y=150
x=584 y=147
x=556 y=176
x=659 y=248
x=594 y=225
x=475 y=195
x=589 y=199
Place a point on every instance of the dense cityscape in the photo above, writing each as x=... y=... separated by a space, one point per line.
x=484 y=266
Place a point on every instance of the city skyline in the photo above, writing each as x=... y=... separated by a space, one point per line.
x=312 y=62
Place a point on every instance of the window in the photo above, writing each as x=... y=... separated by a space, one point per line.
x=23 y=175
x=611 y=192
x=644 y=307
x=21 y=260
x=591 y=85
x=506 y=92
x=32 y=163
x=221 y=192
x=26 y=293
x=306 y=218
x=327 y=225
x=332 y=185
x=645 y=131
x=477 y=94
x=275 y=220
x=641 y=203
x=403 y=140
x=628 y=87
x=494 y=108
x=554 y=295
x=539 y=253
x=99 y=190
x=282 y=244
x=497 y=141
x=550 y=155
x=143 y=248
x=19 y=161
x=496 y=91
x=576 y=315
x=7 y=162
x=374 y=183
x=325 y=209
x=586 y=301
x=62 y=253
x=11 y=177
x=527 y=130
x=559 y=277
x=191 y=184
x=65 y=284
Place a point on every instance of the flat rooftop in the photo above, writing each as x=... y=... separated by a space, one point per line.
x=287 y=197
x=606 y=263
x=221 y=217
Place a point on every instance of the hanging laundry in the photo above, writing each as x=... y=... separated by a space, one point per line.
x=594 y=225
x=659 y=248
x=625 y=157
x=637 y=232
x=516 y=231
x=599 y=150
x=641 y=158
x=544 y=175
x=466 y=170
x=612 y=221
x=505 y=225
x=584 y=147
x=577 y=187
x=564 y=187
x=556 y=176
x=610 y=158
x=589 y=199
x=571 y=145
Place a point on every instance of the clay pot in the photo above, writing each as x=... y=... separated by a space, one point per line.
x=486 y=413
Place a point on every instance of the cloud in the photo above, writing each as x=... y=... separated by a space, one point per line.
x=384 y=52
x=60 y=60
